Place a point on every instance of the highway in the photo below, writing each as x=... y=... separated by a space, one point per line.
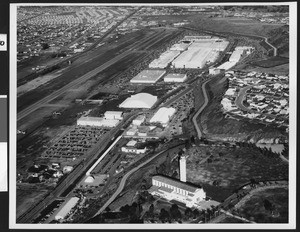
x=199 y=133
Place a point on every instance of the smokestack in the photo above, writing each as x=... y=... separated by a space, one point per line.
x=182 y=168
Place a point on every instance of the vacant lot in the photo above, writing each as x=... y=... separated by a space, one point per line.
x=254 y=209
x=221 y=170
x=271 y=62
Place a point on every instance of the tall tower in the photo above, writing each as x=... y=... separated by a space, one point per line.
x=182 y=168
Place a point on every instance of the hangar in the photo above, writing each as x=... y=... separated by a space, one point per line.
x=140 y=100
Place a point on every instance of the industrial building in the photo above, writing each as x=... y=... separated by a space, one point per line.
x=97 y=121
x=138 y=120
x=201 y=52
x=148 y=76
x=63 y=212
x=171 y=189
x=163 y=115
x=180 y=46
x=175 y=77
x=236 y=55
x=113 y=115
x=196 y=37
x=164 y=60
x=140 y=100
x=134 y=150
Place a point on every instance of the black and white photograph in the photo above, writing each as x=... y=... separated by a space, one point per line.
x=169 y=116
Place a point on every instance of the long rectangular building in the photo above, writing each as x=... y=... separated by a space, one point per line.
x=164 y=60
x=176 y=190
x=192 y=58
x=63 y=212
x=97 y=121
x=148 y=76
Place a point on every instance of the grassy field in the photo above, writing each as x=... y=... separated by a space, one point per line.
x=254 y=208
x=221 y=170
x=271 y=62
x=225 y=24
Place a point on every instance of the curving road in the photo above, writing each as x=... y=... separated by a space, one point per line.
x=123 y=181
x=199 y=133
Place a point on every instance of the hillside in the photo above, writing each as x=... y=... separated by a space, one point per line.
x=279 y=37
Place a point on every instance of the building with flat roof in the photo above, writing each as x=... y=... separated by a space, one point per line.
x=148 y=76
x=138 y=120
x=163 y=115
x=97 y=122
x=172 y=189
x=140 y=100
x=180 y=46
x=63 y=212
x=175 y=77
x=164 y=60
x=113 y=115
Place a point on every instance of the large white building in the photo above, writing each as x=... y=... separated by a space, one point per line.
x=180 y=46
x=171 y=189
x=164 y=60
x=139 y=120
x=113 y=115
x=63 y=212
x=175 y=77
x=163 y=115
x=140 y=100
x=148 y=76
x=97 y=122
x=202 y=51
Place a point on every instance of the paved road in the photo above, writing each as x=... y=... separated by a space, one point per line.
x=240 y=98
x=123 y=181
x=199 y=133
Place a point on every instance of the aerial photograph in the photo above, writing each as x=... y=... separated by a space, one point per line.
x=152 y=114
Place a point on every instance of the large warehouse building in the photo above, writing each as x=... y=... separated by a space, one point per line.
x=148 y=76
x=163 y=115
x=164 y=60
x=192 y=58
x=201 y=51
x=63 y=212
x=180 y=46
x=140 y=100
x=97 y=121
x=176 y=190
x=175 y=77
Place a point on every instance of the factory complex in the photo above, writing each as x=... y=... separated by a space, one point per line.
x=236 y=56
x=164 y=59
x=200 y=52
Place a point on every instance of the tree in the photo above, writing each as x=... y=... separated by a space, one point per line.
x=164 y=215
x=188 y=213
x=45 y=46
x=174 y=212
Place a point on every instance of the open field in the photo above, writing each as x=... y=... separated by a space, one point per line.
x=271 y=62
x=254 y=208
x=223 y=169
x=225 y=24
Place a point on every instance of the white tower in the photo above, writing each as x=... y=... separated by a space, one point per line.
x=182 y=168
